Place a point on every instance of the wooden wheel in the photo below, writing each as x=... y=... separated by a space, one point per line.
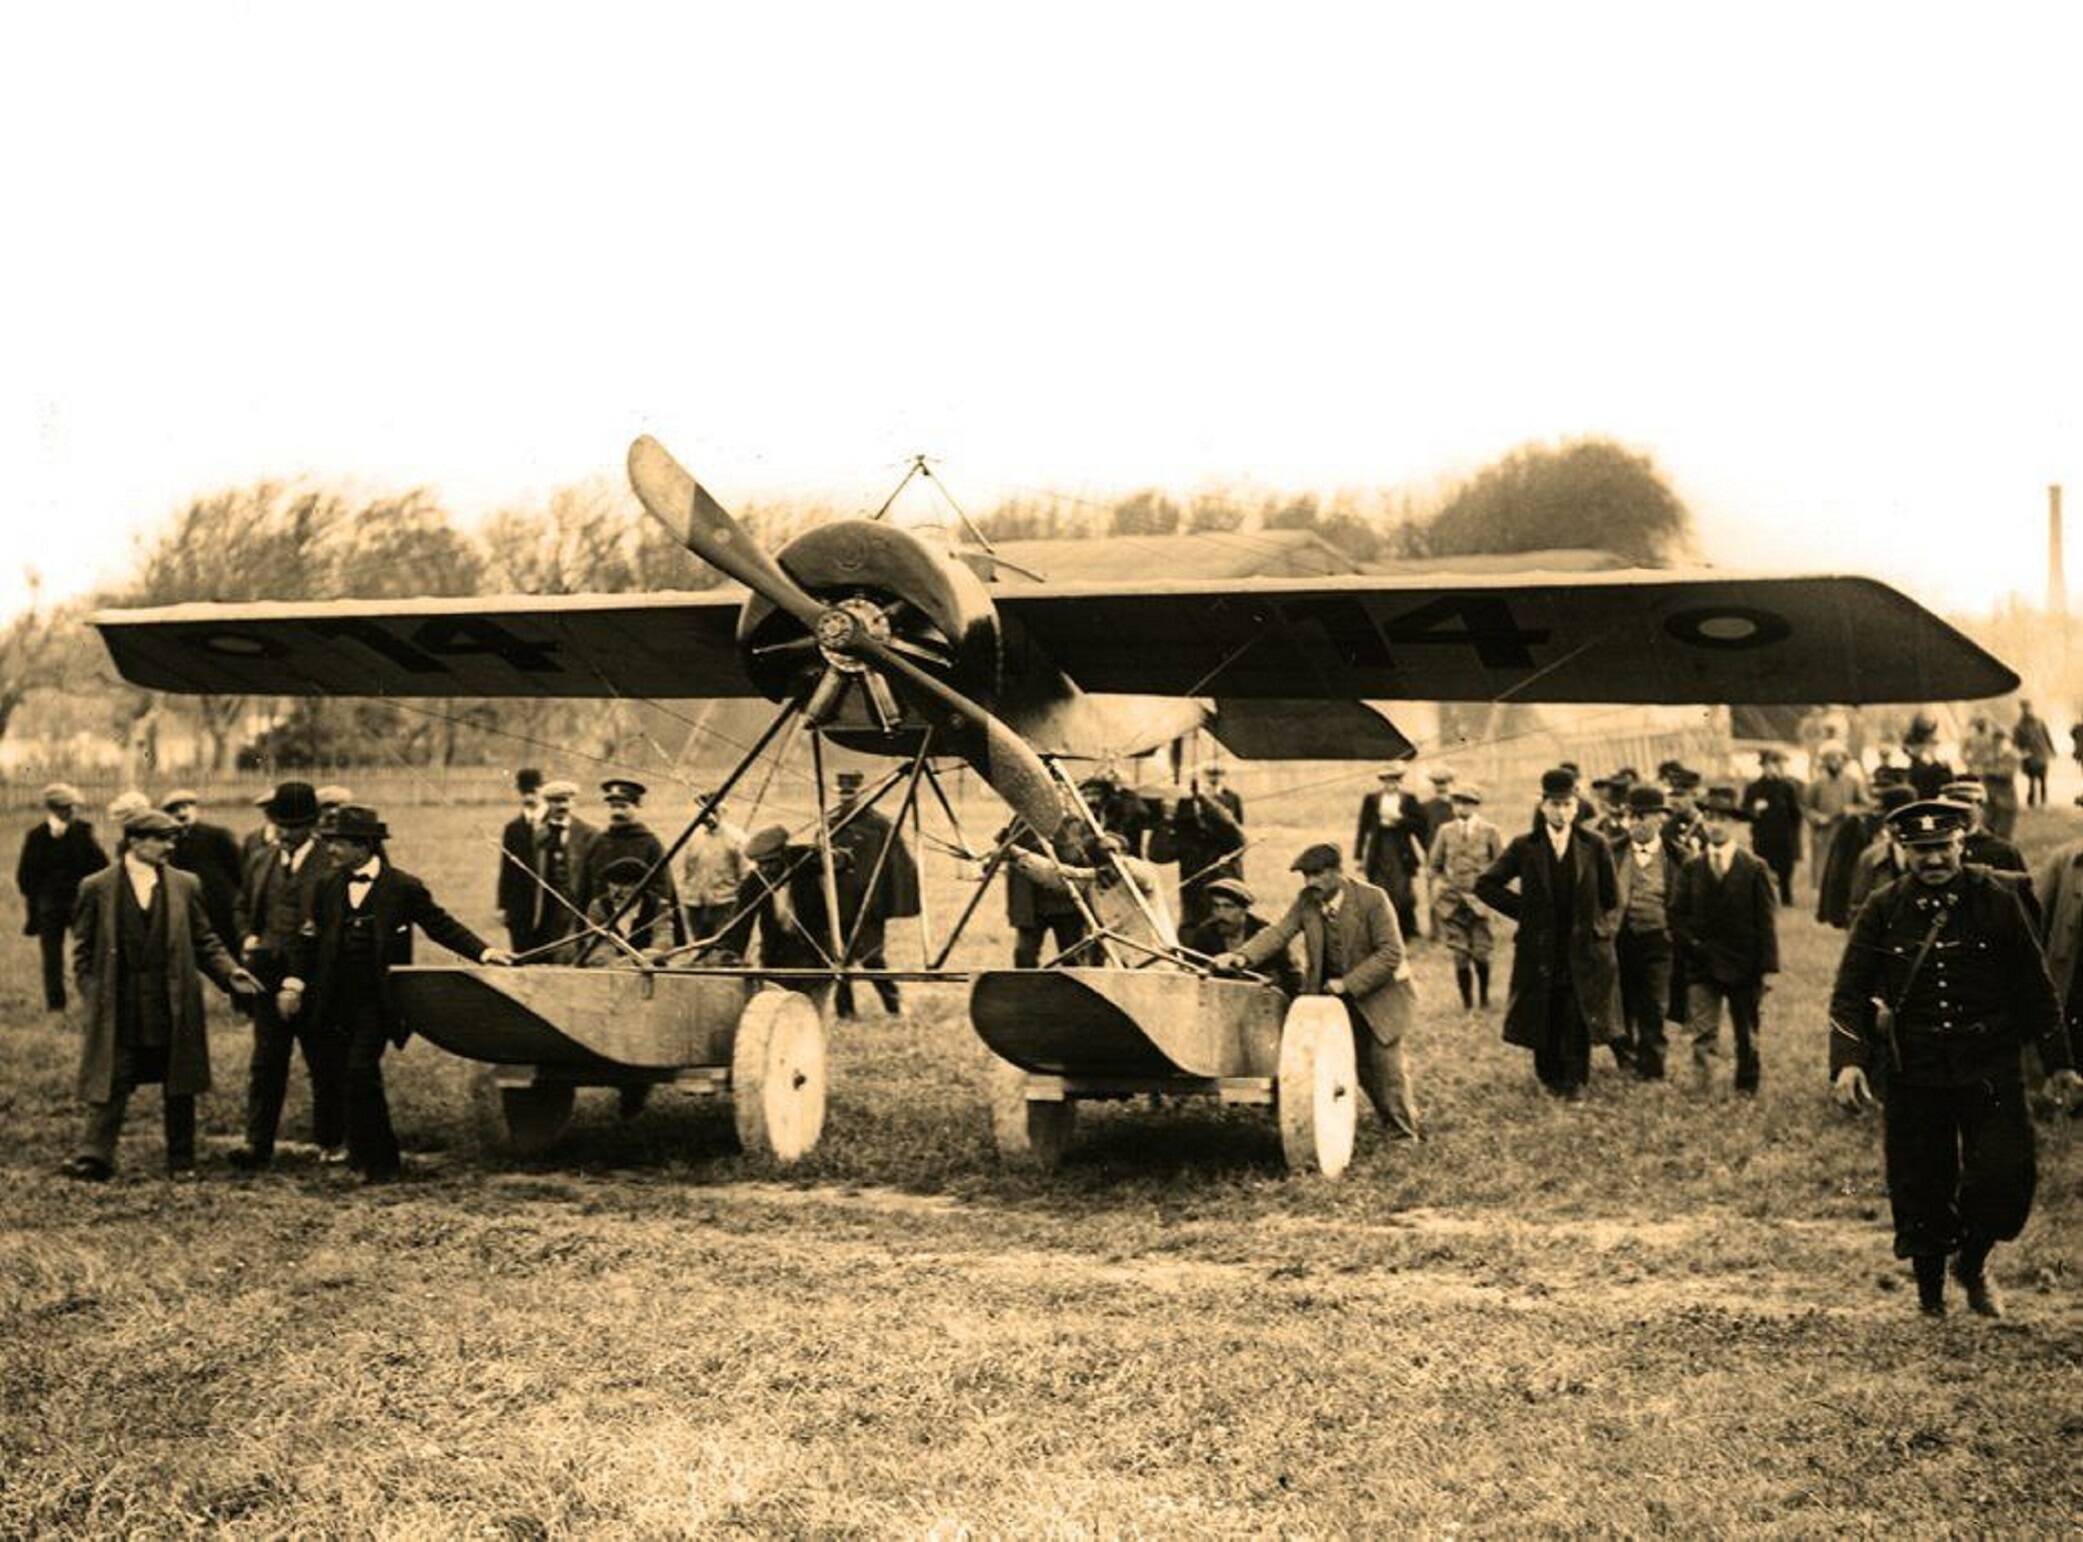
x=778 y=1075
x=1028 y=1133
x=520 y=1121
x=1318 y=1086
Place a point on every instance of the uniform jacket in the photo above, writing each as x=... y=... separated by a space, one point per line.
x=613 y=842
x=399 y=903
x=1379 y=847
x=1988 y=849
x=211 y=853
x=1368 y=940
x=1591 y=964
x=178 y=905
x=51 y=870
x=1983 y=991
x=1727 y=927
x=1774 y=806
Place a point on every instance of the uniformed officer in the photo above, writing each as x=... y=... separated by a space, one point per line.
x=1941 y=985
x=626 y=835
x=1983 y=845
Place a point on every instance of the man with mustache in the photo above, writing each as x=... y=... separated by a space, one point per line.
x=1942 y=985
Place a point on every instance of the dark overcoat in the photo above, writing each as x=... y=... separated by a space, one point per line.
x=189 y=942
x=51 y=870
x=211 y=853
x=1773 y=804
x=516 y=893
x=896 y=891
x=1726 y=927
x=400 y=902
x=1389 y=852
x=1596 y=895
x=610 y=843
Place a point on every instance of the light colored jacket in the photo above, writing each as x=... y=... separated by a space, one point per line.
x=1461 y=853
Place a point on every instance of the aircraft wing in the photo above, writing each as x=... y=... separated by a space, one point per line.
x=659 y=645
x=1624 y=636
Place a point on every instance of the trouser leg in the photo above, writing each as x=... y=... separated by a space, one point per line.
x=1920 y=1145
x=179 y=1118
x=1645 y=986
x=51 y=940
x=325 y=1060
x=1998 y=1167
x=1562 y=1058
x=1027 y=945
x=1703 y=1024
x=1743 y=1020
x=267 y=1074
x=1482 y=980
x=1385 y=1077
x=372 y=1145
x=892 y=1001
x=104 y=1125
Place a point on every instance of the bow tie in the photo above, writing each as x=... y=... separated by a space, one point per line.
x=361 y=878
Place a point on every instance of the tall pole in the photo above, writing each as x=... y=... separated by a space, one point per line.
x=2057 y=584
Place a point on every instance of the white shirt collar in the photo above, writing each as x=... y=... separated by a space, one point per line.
x=368 y=869
x=1559 y=839
x=143 y=876
x=58 y=826
x=296 y=858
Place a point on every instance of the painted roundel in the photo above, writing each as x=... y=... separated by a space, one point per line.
x=1733 y=627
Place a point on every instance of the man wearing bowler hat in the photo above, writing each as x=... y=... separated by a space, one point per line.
x=58 y=854
x=1942 y=985
x=273 y=923
x=626 y=835
x=1562 y=958
x=517 y=895
x=141 y=935
x=363 y=918
x=1725 y=925
x=1352 y=949
x=1647 y=879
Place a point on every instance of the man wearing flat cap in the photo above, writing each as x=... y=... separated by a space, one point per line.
x=1941 y=987
x=58 y=854
x=1231 y=923
x=1388 y=845
x=640 y=933
x=782 y=899
x=273 y=913
x=1772 y=802
x=1462 y=852
x=1562 y=958
x=1724 y=923
x=1353 y=949
x=141 y=935
x=363 y=919
x=211 y=853
x=626 y=835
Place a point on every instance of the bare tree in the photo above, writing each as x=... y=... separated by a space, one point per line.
x=30 y=653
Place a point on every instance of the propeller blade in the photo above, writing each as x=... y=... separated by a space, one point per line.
x=681 y=504
x=1009 y=762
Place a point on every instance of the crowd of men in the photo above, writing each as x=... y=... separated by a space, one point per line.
x=1637 y=907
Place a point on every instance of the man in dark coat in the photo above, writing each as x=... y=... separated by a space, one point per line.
x=1231 y=924
x=58 y=854
x=1647 y=883
x=1351 y=949
x=518 y=896
x=1926 y=772
x=1684 y=833
x=1208 y=840
x=276 y=903
x=1439 y=808
x=1039 y=913
x=1950 y=954
x=140 y=934
x=1562 y=959
x=211 y=853
x=1121 y=811
x=1387 y=845
x=637 y=937
x=558 y=862
x=363 y=919
x=1848 y=837
x=625 y=835
x=783 y=900
x=868 y=897
x=2034 y=742
x=1724 y=922
x=1773 y=805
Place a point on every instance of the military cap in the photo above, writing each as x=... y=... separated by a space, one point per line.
x=333 y=795
x=527 y=780
x=626 y=788
x=1895 y=795
x=292 y=803
x=762 y=844
x=1231 y=889
x=124 y=804
x=1928 y=822
x=1682 y=779
x=1646 y=799
x=1889 y=776
x=355 y=822
x=1467 y=792
x=1966 y=790
x=61 y=795
x=625 y=870
x=1319 y=858
x=1561 y=782
x=1723 y=801
x=150 y=821
x=1601 y=783
x=559 y=787
x=180 y=797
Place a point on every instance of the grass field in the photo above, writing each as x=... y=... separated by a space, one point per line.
x=1660 y=1312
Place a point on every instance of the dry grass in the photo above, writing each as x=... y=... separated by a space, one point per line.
x=1662 y=1312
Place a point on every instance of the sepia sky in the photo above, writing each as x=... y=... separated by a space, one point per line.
x=1821 y=262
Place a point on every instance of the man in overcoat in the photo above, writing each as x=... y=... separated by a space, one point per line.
x=1387 y=845
x=626 y=835
x=1773 y=804
x=1352 y=949
x=1724 y=922
x=211 y=853
x=364 y=915
x=1562 y=959
x=140 y=933
x=58 y=854
x=517 y=895
x=868 y=899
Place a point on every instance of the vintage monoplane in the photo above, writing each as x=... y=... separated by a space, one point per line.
x=881 y=640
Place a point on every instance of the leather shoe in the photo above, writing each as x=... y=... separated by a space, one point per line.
x=1983 y=1298
x=88 y=1169
x=247 y=1160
